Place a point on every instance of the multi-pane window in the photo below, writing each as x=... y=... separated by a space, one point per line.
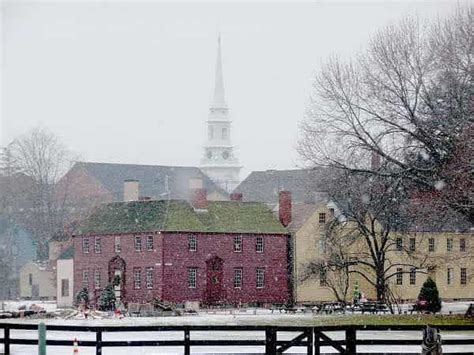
x=138 y=243
x=149 y=243
x=260 y=277
x=85 y=278
x=431 y=245
x=322 y=276
x=449 y=276
x=137 y=278
x=97 y=279
x=463 y=278
x=149 y=277
x=64 y=287
x=97 y=245
x=399 y=244
x=322 y=217
x=211 y=132
x=449 y=244
x=413 y=276
x=399 y=276
x=192 y=276
x=238 y=243
x=85 y=245
x=192 y=243
x=412 y=244
x=224 y=133
x=259 y=244
x=462 y=244
x=117 y=246
x=238 y=277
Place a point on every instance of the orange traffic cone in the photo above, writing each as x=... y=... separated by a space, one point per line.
x=75 y=348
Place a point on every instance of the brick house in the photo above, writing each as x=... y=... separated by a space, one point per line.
x=177 y=251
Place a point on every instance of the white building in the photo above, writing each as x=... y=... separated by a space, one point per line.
x=219 y=161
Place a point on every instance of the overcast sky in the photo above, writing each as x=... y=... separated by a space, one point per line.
x=130 y=82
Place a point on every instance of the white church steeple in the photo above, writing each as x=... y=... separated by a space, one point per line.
x=219 y=161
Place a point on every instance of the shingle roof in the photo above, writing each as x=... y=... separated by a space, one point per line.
x=154 y=180
x=305 y=185
x=178 y=215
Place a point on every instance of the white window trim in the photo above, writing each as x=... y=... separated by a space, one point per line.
x=192 y=276
x=238 y=237
x=149 y=276
x=85 y=242
x=148 y=244
x=192 y=243
x=97 y=245
x=137 y=281
x=138 y=246
x=97 y=280
x=236 y=273
x=257 y=244
x=117 y=245
x=262 y=270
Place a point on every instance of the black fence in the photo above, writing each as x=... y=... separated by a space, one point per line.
x=311 y=338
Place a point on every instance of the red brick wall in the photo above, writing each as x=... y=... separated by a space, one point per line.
x=133 y=259
x=171 y=260
x=177 y=260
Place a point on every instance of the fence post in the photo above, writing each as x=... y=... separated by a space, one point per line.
x=187 y=342
x=6 y=336
x=42 y=339
x=351 y=345
x=317 y=347
x=309 y=347
x=98 y=342
x=270 y=341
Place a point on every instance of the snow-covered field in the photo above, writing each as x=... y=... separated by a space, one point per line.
x=249 y=317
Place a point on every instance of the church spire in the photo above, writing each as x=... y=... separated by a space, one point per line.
x=219 y=95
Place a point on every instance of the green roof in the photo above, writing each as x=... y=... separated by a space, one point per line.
x=180 y=216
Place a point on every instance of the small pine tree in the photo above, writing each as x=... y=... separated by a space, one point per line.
x=429 y=293
x=107 y=299
x=82 y=297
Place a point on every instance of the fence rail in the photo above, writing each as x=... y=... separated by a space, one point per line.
x=311 y=338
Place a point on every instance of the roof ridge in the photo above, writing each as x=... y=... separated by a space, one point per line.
x=130 y=164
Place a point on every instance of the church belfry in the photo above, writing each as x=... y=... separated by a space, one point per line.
x=219 y=161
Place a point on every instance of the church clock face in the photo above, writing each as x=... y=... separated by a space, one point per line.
x=225 y=154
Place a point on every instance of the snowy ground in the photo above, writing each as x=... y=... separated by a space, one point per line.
x=249 y=317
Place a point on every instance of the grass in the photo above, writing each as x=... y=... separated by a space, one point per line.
x=419 y=319
x=366 y=319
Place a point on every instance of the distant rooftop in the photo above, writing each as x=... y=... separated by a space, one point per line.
x=305 y=185
x=155 y=181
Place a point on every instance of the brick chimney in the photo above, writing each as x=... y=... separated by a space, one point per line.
x=284 y=207
x=236 y=196
x=199 y=199
x=197 y=194
x=130 y=190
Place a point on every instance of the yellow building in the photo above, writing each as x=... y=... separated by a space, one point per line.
x=447 y=257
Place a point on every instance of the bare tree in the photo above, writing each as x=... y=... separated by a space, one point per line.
x=41 y=159
x=332 y=265
x=407 y=99
x=364 y=239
